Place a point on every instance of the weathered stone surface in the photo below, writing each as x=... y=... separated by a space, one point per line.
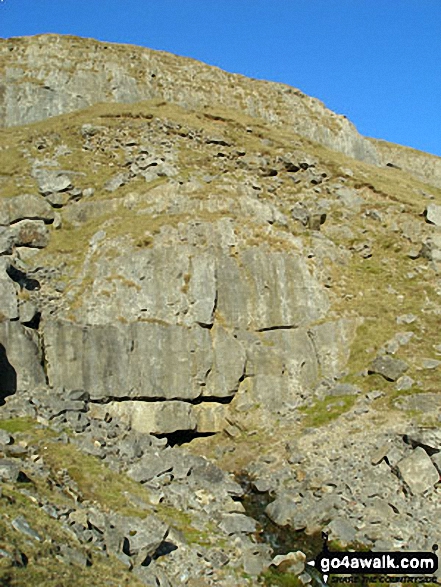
x=21 y=525
x=8 y=299
x=9 y=470
x=140 y=360
x=210 y=417
x=22 y=357
x=228 y=364
x=30 y=233
x=429 y=439
x=293 y=562
x=275 y=291
x=332 y=342
x=237 y=524
x=418 y=471
x=390 y=369
x=6 y=241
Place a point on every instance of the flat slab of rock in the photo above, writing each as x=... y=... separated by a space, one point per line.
x=418 y=472
x=391 y=369
x=238 y=524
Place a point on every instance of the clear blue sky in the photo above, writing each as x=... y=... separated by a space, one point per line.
x=376 y=61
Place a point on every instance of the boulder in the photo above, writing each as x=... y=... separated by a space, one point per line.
x=30 y=233
x=418 y=472
x=281 y=510
x=25 y=207
x=433 y=214
x=391 y=369
x=52 y=181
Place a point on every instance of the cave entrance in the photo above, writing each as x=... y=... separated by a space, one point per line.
x=8 y=376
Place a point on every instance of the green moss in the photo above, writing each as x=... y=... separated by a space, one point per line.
x=274 y=578
x=16 y=425
x=326 y=410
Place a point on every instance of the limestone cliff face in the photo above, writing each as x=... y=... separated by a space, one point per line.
x=183 y=264
x=48 y=75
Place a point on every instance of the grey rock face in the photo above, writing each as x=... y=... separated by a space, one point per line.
x=275 y=290
x=22 y=357
x=134 y=361
x=8 y=299
x=390 y=369
x=418 y=471
x=60 y=63
x=162 y=417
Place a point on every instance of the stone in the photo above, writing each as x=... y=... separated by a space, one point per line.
x=28 y=312
x=25 y=207
x=58 y=199
x=30 y=233
x=145 y=360
x=281 y=510
x=418 y=472
x=431 y=364
x=52 y=181
x=6 y=241
x=149 y=467
x=116 y=182
x=8 y=300
x=237 y=524
x=404 y=383
x=427 y=438
x=432 y=214
x=5 y=437
x=341 y=530
x=74 y=556
x=9 y=470
x=292 y=562
x=390 y=369
x=344 y=389
x=21 y=525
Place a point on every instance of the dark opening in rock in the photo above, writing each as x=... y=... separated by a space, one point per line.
x=22 y=279
x=8 y=376
x=183 y=436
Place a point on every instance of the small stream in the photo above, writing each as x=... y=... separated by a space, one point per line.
x=281 y=539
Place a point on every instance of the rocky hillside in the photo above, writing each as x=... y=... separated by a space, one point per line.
x=204 y=300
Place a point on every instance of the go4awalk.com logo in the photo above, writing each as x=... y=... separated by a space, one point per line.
x=404 y=564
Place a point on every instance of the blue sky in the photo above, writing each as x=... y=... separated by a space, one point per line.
x=376 y=61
